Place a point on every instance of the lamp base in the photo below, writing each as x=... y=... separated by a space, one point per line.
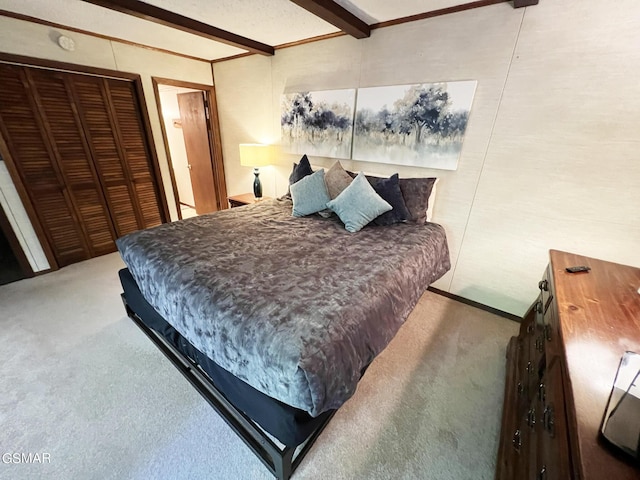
x=257 y=186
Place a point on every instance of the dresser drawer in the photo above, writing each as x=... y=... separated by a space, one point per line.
x=546 y=291
x=552 y=459
x=532 y=329
x=528 y=322
x=513 y=443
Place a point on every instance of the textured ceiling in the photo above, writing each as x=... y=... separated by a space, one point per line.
x=272 y=22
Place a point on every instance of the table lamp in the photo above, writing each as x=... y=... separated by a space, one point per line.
x=256 y=155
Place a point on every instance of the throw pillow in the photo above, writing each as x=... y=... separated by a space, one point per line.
x=358 y=204
x=309 y=194
x=416 y=193
x=337 y=179
x=300 y=170
x=389 y=190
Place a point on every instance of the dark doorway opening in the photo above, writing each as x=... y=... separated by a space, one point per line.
x=13 y=262
x=10 y=269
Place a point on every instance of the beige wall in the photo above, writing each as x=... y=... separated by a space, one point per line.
x=550 y=156
x=39 y=41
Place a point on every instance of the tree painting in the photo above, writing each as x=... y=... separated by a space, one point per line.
x=318 y=123
x=419 y=125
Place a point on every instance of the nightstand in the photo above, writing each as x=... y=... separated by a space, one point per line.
x=244 y=199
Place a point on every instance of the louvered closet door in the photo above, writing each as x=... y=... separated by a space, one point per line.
x=24 y=132
x=115 y=134
x=79 y=146
x=131 y=132
x=52 y=91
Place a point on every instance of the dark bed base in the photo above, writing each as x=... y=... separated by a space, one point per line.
x=281 y=462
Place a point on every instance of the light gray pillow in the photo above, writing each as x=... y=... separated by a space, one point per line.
x=337 y=179
x=358 y=204
x=309 y=194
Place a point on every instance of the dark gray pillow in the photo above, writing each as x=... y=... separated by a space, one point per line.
x=309 y=194
x=416 y=193
x=300 y=170
x=358 y=204
x=389 y=190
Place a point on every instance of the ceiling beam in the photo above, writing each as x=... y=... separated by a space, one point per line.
x=186 y=24
x=335 y=14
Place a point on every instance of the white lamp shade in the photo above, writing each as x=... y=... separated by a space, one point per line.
x=256 y=154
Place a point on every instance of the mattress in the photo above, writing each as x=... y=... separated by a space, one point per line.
x=294 y=307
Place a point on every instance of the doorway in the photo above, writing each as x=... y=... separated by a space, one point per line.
x=192 y=141
x=14 y=265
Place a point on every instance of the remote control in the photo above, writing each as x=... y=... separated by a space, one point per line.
x=579 y=268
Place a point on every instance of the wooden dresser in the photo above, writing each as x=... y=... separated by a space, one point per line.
x=560 y=371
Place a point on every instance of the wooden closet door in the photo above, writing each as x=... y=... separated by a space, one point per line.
x=24 y=133
x=84 y=159
x=52 y=91
x=130 y=131
x=108 y=109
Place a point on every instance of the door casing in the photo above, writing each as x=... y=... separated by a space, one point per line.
x=215 y=143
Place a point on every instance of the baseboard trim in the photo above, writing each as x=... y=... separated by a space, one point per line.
x=42 y=272
x=479 y=305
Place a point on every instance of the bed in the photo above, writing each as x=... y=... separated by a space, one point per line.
x=275 y=318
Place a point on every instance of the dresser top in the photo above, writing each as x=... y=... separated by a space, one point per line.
x=599 y=320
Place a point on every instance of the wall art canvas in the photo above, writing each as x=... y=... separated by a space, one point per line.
x=318 y=123
x=420 y=125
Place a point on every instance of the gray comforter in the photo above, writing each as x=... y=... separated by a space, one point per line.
x=295 y=307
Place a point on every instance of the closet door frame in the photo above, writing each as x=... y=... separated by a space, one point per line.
x=136 y=80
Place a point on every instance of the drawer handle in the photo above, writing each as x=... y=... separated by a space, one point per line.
x=520 y=389
x=531 y=417
x=530 y=368
x=547 y=332
x=542 y=395
x=543 y=285
x=540 y=344
x=517 y=440
x=543 y=473
x=539 y=306
x=548 y=420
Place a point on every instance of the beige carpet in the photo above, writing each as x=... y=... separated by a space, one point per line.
x=81 y=383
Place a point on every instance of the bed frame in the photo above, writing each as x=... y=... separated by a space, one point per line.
x=281 y=461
